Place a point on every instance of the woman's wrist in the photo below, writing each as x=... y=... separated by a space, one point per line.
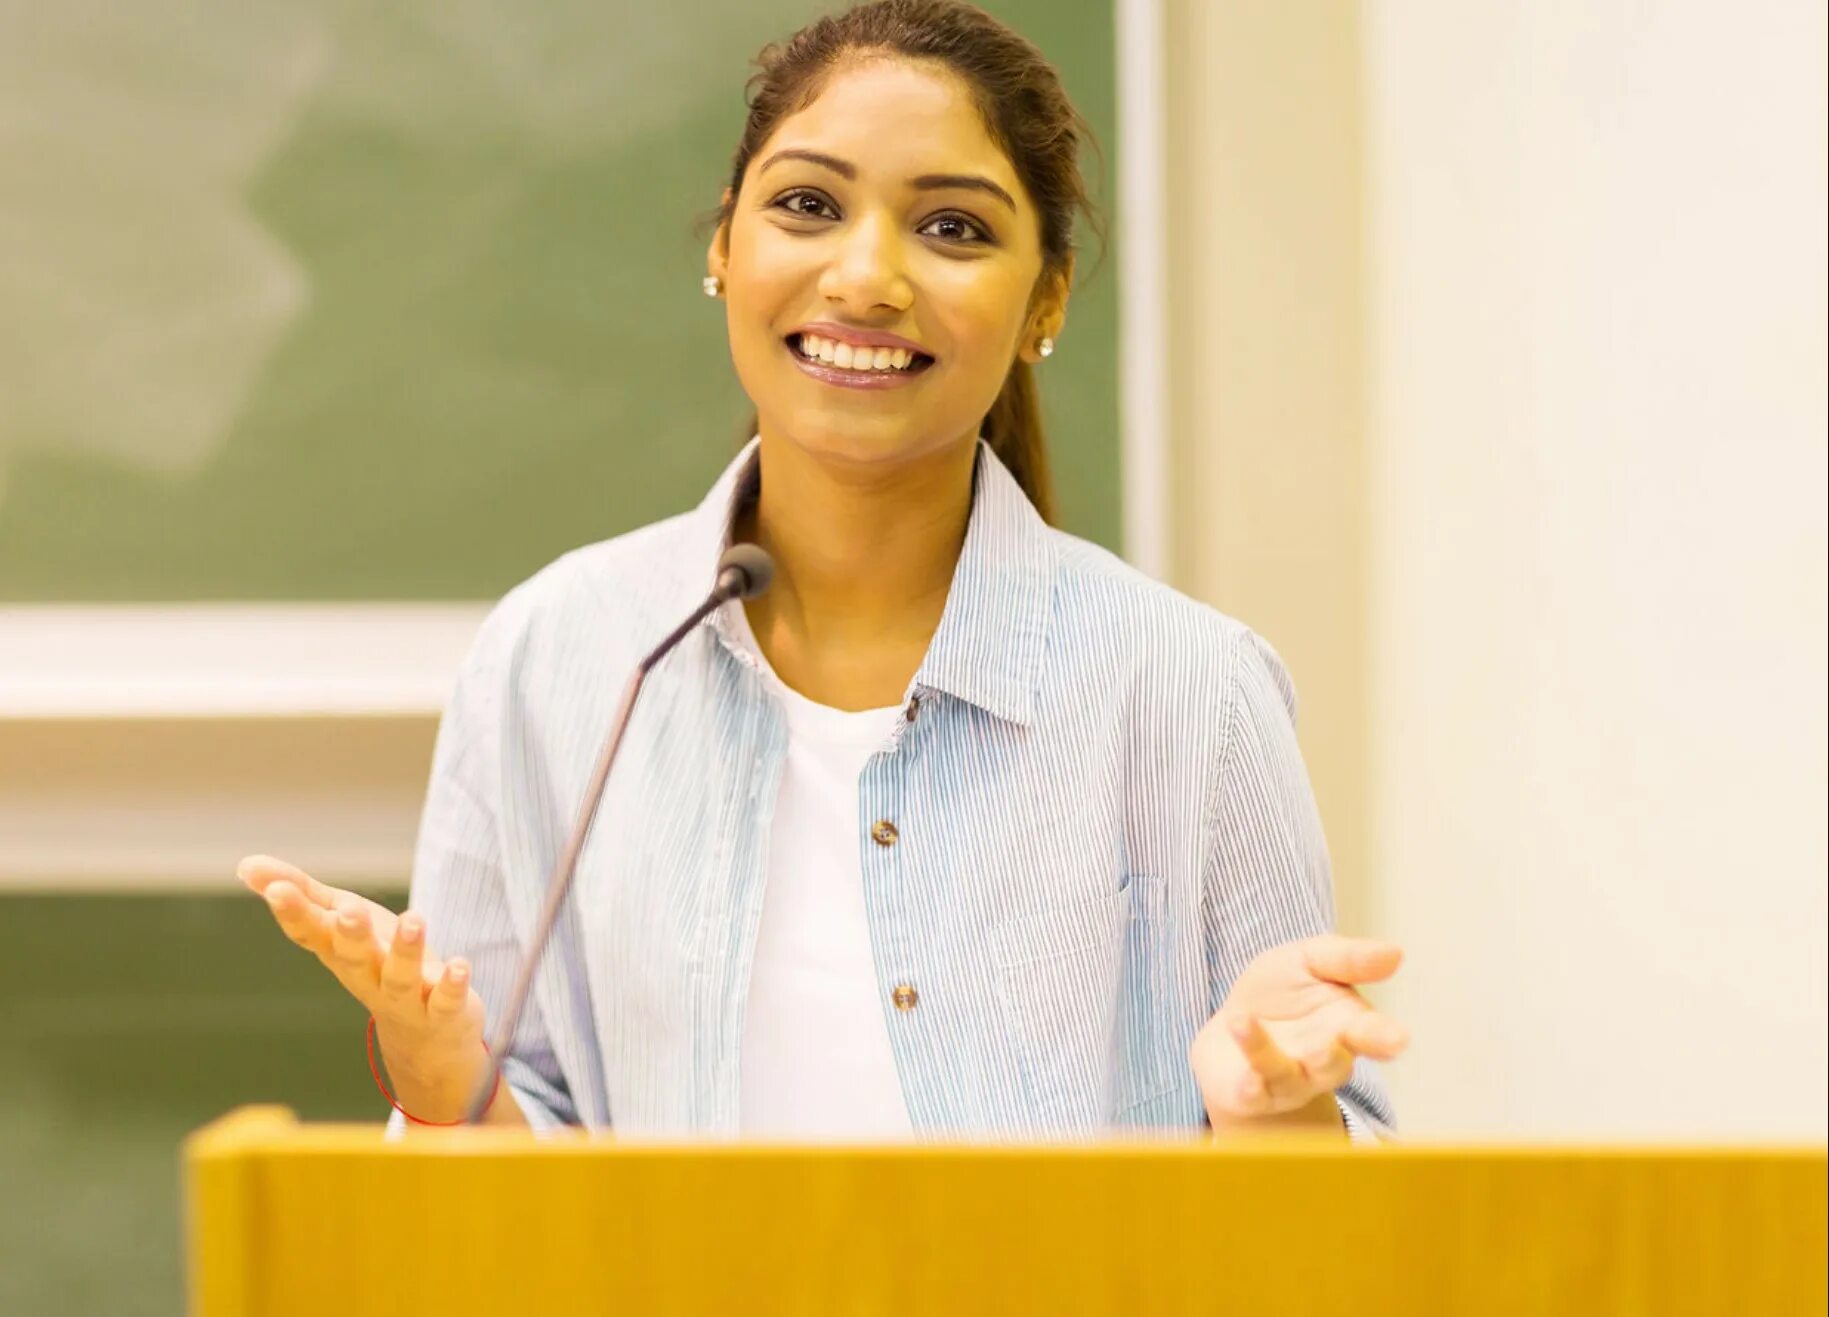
x=1322 y=1115
x=437 y=1089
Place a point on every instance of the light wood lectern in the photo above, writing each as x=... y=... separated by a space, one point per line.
x=286 y=1218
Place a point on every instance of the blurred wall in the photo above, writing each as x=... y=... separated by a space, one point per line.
x=1499 y=397
x=1266 y=282
x=1597 y=604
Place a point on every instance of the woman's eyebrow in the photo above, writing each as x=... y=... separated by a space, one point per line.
x=925 y=183
x=970 y=182
x=842 y=168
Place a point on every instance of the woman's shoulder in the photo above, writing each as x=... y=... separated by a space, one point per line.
x=1097 y=591
x=608 y=590
x=1173 y=640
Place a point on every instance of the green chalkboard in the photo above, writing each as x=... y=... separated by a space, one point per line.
x=312 y=301
x=130 y=1022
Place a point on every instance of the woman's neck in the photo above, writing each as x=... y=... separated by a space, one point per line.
x=864 y=558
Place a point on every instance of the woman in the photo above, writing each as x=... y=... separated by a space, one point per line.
x=964 y=827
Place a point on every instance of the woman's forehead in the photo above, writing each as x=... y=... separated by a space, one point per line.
x=893 y=119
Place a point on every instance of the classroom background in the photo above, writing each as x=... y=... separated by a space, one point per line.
x=1473 y=354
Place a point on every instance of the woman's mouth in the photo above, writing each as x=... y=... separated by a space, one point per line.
x=851 y=367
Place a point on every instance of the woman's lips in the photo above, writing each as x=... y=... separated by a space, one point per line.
x=846 y=378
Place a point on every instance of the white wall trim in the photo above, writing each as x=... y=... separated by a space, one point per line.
x=181 y=673
x=231 y=660
x=162 y=802
x=1143 y=337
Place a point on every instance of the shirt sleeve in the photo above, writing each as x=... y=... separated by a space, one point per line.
x=458 y=882
x=1267 y=879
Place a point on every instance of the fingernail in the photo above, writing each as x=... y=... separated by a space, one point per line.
x=409 y=930
x=459 y=973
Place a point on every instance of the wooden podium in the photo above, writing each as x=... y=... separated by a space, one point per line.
x=286 y=1218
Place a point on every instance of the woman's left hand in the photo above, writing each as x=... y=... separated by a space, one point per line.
x=1291 y=1026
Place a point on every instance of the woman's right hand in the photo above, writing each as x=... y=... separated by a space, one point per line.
x=428 y=1019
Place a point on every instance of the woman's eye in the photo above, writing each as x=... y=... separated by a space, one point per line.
x=808 y=204
x=956 y=228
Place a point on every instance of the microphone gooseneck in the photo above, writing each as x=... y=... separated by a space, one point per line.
x=744 y=572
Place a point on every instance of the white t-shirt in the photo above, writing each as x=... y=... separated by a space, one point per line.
x=816 y=1063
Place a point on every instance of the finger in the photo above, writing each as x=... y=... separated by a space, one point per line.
x=1374 y=1035
x=1351 y=959
x=297 y=918
x=448 y=996
x=352 y=943
x=1328 y=1065
x=257 y=872
x=1273 y=1066
x=403 y=968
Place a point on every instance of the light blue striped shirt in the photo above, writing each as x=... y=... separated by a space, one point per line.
x=1092 y=817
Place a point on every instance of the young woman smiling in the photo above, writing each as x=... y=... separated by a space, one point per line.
x=964 y=827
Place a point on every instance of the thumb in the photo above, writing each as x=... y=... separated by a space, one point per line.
x=1351 y=959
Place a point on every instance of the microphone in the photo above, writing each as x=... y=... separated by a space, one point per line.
x=744 y=572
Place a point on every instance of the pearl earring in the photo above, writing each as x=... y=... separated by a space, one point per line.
x=1045 y=348
x=712 y=285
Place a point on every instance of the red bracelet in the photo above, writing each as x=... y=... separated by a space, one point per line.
x=375 y=1070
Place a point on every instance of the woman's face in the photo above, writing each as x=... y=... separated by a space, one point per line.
x=878 y=267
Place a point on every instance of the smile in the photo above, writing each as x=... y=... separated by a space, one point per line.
x=850 y=367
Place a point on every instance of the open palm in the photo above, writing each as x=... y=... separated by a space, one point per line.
x=424 y=1007
x=1292 y=1025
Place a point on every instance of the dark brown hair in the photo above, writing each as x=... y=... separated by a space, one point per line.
x=1026 y=113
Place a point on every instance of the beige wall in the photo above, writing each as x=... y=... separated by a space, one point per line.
x=1531 y=497
x=1266 y=291
x=1597 y=606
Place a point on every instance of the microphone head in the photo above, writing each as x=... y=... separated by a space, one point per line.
x=753 y=565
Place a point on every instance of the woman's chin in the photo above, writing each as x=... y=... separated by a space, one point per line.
x=841 y=436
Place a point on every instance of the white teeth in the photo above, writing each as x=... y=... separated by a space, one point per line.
x=847 y=357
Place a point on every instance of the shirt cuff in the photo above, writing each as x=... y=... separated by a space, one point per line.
x=1361 y=1126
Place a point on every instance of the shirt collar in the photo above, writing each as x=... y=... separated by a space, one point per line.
x=993 y=631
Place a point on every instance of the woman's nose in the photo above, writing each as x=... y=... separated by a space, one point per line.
x=866 y=269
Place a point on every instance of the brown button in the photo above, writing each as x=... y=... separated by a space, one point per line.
x=883 y=832
x=905 y=997
x=914 y=707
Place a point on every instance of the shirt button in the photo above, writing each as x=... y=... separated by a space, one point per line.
x=883 y=832
x=914 y=707
x=905 y=997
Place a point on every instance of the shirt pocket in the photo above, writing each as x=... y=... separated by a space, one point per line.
x=1149 y=1058
x=1074 y=984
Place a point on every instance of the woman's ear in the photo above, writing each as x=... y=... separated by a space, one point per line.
x=717 y=256
x=1049 y=315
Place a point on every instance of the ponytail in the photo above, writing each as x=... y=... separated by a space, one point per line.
x=1013 y=427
